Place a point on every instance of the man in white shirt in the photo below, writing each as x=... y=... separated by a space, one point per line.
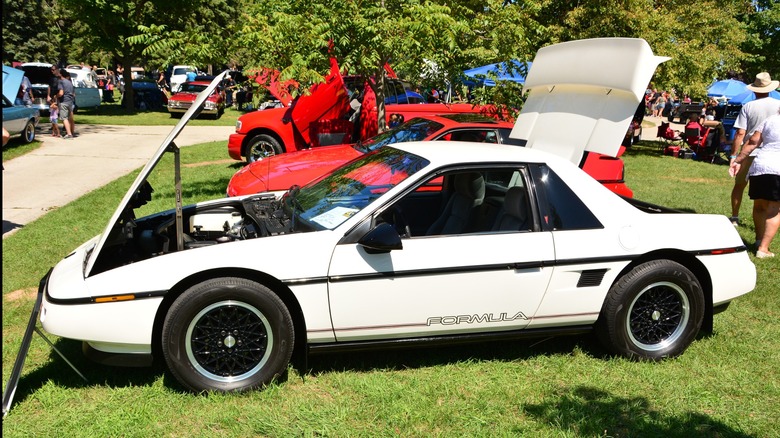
x=750 y=117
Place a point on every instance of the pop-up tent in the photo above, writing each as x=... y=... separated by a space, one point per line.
x=748 y=95
x=506 y=71
x=727 y=87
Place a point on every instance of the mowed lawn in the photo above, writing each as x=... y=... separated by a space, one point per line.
x=727 y=384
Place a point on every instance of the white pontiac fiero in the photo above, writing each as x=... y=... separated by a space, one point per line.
x=419 y=242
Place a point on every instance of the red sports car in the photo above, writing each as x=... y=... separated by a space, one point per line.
x=180 y=102
x=340 y=110
x=280 y=172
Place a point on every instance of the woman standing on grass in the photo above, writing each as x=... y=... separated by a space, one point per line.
x=764 y=176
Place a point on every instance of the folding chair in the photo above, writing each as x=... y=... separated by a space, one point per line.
x=669 y=136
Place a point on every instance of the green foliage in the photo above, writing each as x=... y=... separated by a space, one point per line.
x=31 y=31
x=763 y=42
x=702 y=40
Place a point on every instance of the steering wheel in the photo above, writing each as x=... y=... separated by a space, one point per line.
x=399 y=222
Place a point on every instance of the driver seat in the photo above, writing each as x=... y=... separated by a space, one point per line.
x=462 y=206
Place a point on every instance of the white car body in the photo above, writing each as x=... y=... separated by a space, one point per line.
x=179 y=76
x=345 y=287
x=85 y=84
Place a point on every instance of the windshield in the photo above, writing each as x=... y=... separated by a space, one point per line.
x=193 y=88
x=328 y=202
x=417 y=129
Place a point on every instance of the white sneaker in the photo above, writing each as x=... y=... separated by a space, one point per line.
x=764 y=255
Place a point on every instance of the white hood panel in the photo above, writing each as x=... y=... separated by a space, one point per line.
x=582 y=95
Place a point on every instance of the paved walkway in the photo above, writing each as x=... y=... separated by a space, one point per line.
x=61 y=171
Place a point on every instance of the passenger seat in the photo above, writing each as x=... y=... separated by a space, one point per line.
x=514 y=215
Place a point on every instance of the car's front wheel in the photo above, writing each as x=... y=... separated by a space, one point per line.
x=654 y=311
x=227 y=334
x=28 y=135
x=262 y=146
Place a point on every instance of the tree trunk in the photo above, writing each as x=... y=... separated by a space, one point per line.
x=128 y=97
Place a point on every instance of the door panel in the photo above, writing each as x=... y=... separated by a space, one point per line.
x=439 y=285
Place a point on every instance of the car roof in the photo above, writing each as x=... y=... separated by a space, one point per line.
x=467 y=119
x=458 y=152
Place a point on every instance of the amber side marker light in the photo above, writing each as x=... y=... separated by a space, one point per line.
x=113 y=298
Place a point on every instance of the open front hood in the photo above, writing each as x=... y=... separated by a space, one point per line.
x=582 y=95
x=166 y=146
x=12 y=79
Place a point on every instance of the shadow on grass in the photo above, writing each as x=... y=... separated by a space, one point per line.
x=425 y=356
x=589 y=411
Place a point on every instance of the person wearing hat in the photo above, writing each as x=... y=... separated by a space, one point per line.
x=750 y=117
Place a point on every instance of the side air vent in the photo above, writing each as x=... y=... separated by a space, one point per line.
x=591 y=278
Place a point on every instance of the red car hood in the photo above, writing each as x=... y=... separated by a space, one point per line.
x=279 y=172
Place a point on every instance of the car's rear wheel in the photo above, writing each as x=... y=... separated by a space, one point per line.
x=262 y=146
x=654 y=311
x=227 y=334
x=28 y=135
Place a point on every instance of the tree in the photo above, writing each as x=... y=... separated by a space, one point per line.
x=762 y=19
x=28 y=33
x=703 y=41
x=111 y=26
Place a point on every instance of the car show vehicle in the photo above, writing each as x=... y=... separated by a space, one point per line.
x=178 y=76
x=340 y=110
x=180 y=102
x=409 y=244
x=84 y=84
x=280 y=172
x=17 y=119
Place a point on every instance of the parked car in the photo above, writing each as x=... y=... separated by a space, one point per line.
x=410 y=244
x=17 y=119
x=88 y=95
x=147 y=96
x=179 y=76
x=180 y=102
x=137 y=73
x=328 y=116
x=85 y=84
x=280 y=172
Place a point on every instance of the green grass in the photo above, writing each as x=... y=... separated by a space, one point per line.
x=725 y=385
x=16 y=147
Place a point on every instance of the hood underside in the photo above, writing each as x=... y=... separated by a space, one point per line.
x=582 y=95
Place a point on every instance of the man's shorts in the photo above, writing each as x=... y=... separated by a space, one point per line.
x=65 y=110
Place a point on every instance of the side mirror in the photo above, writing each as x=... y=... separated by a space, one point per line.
x=382 y=238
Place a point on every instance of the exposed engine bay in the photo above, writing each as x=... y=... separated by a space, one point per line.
x=228 y=220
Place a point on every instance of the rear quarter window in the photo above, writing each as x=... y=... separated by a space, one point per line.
x=560 y=207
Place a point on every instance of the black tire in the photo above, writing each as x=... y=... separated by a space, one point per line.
x=261 y=146
x=227 y=334
x=28 y=135
x=653 y=312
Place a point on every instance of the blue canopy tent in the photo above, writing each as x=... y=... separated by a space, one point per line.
x=748 y=95
x=728 y=88
x=505 y=71
x=735 y=104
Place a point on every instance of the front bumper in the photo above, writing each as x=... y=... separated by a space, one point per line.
x=235 y=144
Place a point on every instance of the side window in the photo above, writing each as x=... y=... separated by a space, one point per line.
x=472 y=135
x=464 y=202
x=560 y=207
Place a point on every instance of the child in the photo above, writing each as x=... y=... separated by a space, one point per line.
x=54 y=116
